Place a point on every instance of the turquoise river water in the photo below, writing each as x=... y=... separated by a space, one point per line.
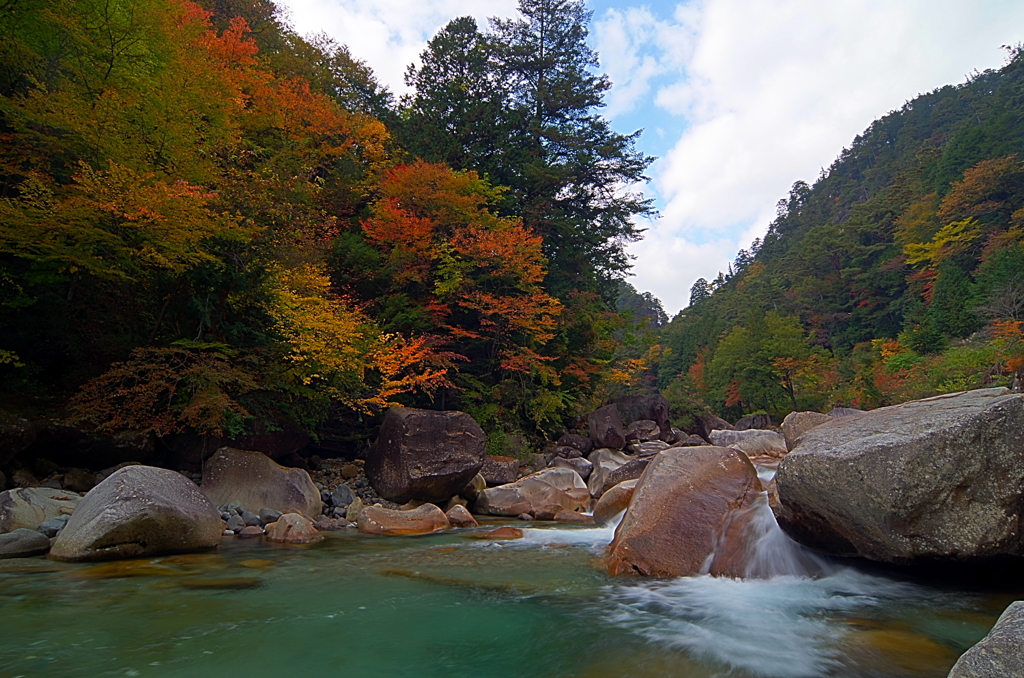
x=450 y=606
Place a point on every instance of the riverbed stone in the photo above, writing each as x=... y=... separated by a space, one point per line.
x=29 y=507
x=51 y=527
x=499 y=470
x=342 y=496
x=753 y=421
x=631 y=470
x=459 y=516
x=22 y=543
x=690 y=441
x=269 y=515
x=293 y=528
x=798 y=423
x=752 y=442
x=938 y=478
x=425 y=455
x=605 y=461
x=582 y=466
x=581 y=443
x=541 y=495
x=251 y=531
x=643 y=430
x=251 y=480
x=614 y=501
x=653 y=407
x=1000 y=654
x=605 y=426
x=681 y=505
x=139 y=511
x=426 y=519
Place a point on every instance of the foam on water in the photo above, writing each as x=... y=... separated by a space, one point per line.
x=783 y=627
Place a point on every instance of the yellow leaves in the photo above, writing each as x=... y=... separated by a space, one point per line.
x=342 y=354
x=630 y=372
x=952 y=239
x=114 y=223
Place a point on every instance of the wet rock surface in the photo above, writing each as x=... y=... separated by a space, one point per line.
x=293 y=528
x=139 y=511
x=681 y=505
x=939 y=478
x=425 y=455
x=426 y=519
x=1000 y=654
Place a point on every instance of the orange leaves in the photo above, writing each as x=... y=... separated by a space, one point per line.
x=1008 y=337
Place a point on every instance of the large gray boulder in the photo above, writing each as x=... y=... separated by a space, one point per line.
x=22 y=543
x=139 y=511
x=257 y=481
x=30 y=507
x=1000 y=654
x=939 y=478
x=425 y=455
x=605 y=461
x=653 y=407
x=605 y=427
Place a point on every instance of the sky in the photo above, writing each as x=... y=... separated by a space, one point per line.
x=738 y=99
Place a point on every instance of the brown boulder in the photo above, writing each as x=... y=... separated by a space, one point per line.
x=30 y=507
x=613 y=502
x=292 y=528
x=578 y=464
x=425 y=455
x=753 y=421
x=690 y=441
x=605 y=461
x=681 y=506
x=139 y=511
x=504 y=533
x=567 y=516
x=643 y=430
x=752 y=442
x=652 y=407
x=631 y=470
x=606 y=427
x=458 y=516
x=541 y=495
x=256 y=481
x=499 y=470
x=581 y=443
x=423 y=520
x=798 y=423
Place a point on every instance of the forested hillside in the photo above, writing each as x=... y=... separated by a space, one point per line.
x=211 y=223
x=898 y=274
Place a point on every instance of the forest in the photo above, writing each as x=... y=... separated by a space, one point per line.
x=210 y=223
x=898 y=274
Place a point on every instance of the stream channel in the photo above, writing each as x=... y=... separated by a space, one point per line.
x=452 y=606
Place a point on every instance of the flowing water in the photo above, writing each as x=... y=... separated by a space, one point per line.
x=448 y=606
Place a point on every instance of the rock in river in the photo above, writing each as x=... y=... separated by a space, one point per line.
x=23 y=542
x=541 y=495
x=29 y=507
x=425 y=455
x=423 y=520
x=939 y=478
x=256 y=481
x=292 y=528
x=1000 y=654
x=682 y=505
x=139 y=511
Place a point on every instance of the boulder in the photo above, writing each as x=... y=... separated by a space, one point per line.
x=425 y=455
x=565 y=452
x=691 y=441
x=840 y=412
x=139 y=511
x=473 y=488
x=798 y=423
x=681 y=506
x=1000 y=654
x=342 y=496
x=458 y=516
x=256 y=481
x=648 y=448
x=643 y=430
x=540 y=495
x=606 y=427
x=280 y=440
x=567 y=516
x=753 y=442
x=581 y=443
x=579 y=464
x=706 y=422
x=652 y=407
x=293 y=528
x=753 y=421
x=22 y=543
x=29 y=507
x=631 y=470
x=938 y=478
x=613 y=502
x=504 y=533
x=498 y=470
x=605 y=461
x=423 y=520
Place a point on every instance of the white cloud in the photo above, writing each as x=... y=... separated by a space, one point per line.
x=388 y=34
x=773 y=90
